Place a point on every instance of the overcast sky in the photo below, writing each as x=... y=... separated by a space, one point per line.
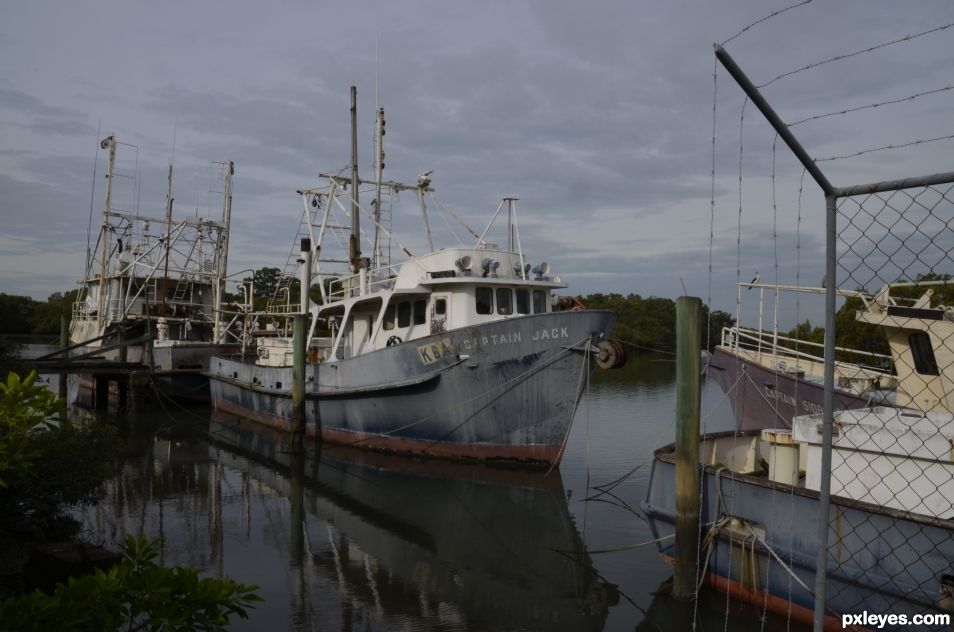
x=597 y=115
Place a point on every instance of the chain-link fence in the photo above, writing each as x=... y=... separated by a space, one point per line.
x=883 y=473
x=891 y=474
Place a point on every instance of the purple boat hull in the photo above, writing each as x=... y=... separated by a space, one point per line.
x=763 y=398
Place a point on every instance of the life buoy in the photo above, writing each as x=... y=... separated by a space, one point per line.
x=394 y=340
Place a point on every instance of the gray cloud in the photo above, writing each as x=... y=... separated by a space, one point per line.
x=597 y=116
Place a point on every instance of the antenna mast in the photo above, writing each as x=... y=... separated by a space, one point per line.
x=165 y=274
x=355 y=225
x=379 y=169
x=108 y=143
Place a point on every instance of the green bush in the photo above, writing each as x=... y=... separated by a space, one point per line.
x=25 y=408
x=136 y=594
x=46 y=464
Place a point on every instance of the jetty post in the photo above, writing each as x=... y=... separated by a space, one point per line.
x=64 y=343
x=300 y=344
x=688 y=393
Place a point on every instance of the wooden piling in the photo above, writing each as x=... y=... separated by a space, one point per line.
x=299 y=330
x=296 y=498
x=64 y=343
x=122 y=384
x=101 y=392
x=688 y=391
x=123 y=353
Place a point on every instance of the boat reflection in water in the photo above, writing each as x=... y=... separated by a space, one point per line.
x=351 y=539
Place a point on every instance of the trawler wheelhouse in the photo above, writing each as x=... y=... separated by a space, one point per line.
x=431 y=295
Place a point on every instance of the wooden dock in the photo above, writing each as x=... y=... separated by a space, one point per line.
x=132 y=379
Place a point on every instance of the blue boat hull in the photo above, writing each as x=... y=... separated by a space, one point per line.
x=880 y=560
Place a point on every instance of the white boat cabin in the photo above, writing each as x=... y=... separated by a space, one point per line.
x=445 y=290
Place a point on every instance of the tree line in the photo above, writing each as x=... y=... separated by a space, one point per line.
x=648 y=322
x=651 y=322
x=24 y=315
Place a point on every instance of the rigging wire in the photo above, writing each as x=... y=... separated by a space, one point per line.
x=798 y=282
x=906 y=38
x=92 y=194
x=774 y=403
x=712 y=181
x=712 y=184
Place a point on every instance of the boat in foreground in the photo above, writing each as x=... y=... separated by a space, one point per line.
x=892 y=538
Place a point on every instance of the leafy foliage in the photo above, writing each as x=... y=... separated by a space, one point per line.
x=136 y=594
x=25 y=407
x=45 y=464
x=24 y=404
x=266 y=281
x=70 y=464
x=9 y=356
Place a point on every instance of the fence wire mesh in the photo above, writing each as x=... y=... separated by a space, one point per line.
x=891 y=521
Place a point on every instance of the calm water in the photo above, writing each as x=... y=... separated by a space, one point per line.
x=346 y=540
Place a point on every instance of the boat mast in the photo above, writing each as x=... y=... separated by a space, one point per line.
x=379 y=169
x=165 y=274
x=223 y=246
x=110 y=143
x=355 y=244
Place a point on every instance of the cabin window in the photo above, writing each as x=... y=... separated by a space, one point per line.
x=485 y=300
x=389 y=318
x=420 y=312
x=504 y=301
x=404 y=314
x=523 y=301
x=440 y=307
x=539 y=302
x=923 y=352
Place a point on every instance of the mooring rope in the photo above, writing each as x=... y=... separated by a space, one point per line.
x=584 y=372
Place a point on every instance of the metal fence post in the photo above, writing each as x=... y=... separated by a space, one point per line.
x=821 y=568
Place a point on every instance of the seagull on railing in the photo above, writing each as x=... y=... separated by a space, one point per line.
x=754 y=280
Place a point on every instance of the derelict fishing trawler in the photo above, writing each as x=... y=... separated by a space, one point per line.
x=152 y=292
x=462 y=352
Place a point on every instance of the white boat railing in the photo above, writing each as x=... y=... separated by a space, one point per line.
x=377 y=279
x=772 y=345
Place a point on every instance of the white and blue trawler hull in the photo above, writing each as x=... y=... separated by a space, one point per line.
x=760 y=544
x=505 y=390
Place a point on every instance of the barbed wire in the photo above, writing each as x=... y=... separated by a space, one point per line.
x=872 y=105
x=906 y=38
x=886 y=147
x=767 y=17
